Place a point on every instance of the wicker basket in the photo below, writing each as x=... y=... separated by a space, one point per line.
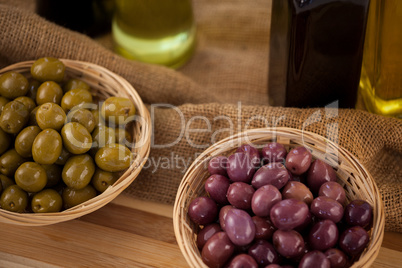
x=357 y=182
x=104 y=84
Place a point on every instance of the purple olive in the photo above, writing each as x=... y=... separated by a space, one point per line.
x=314 y=259
x=239 y=195
x=290 y=244
x=217 y=186
x=273 y=152
x=358 y=213
x=240 y=227
x=318 y=174
x=217 y=250
x=252 y=152
x=203 y=210
x=297 y=190
x=336 y=257
x=218 y=165
x=298 y=160
x=222 y=215
x=333 y=190
x=263 y=252
x=289 y=214
x=274 y=174
x=264 y=229
x=323 y=235
x=326 y=208
x=243 y=261
x=263 y=200
x=240 y=167
x=206 y=233
x=354 y=240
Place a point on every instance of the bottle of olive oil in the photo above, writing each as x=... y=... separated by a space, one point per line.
x=154 y=31
x=316 y=51
x=381 y=75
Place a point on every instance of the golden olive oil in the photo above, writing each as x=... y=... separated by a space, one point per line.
x=381 y=76
x=154 y=31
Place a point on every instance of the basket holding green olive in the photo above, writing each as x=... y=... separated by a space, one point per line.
x=59 y=144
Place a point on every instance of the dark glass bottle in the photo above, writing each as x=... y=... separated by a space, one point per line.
x=91 y=17
x=316 y=52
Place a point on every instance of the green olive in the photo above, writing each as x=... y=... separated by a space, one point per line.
x=24 y=140
x=47 y=147
x=82 y=116
x=31 y=177
x=117 y=110
x=74 y=98
x=5 y=141
x=13 y=85
x=14 y=117
x=10 y=161
x=113 y=157
x=63 y=157
x=27 y=101
x=76 y=138
x=14 y=199
x=3 y=102
x=101 y=180
x=75 y=83
x=123 y=136
x=53 y=173
x=5 y=181
x=49 y=91
x=50 y=115
x=46 y=201
x=48 y=69
x=103 y=135
x=78 y=171
x=73 y=197
x=33 y=88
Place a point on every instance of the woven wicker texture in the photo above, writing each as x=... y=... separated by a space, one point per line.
x=355 y=179
x=103 y=84
x=230 y=65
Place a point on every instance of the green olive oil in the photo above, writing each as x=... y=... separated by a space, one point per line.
x=154 y=31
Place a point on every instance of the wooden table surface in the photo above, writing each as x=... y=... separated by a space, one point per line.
x=125 y=233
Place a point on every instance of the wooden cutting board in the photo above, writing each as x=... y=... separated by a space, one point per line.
x=125 y=233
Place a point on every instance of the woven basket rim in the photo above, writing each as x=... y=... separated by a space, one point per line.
x=102 y=81
x=182 y=227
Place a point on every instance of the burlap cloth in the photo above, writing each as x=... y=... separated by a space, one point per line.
x=230 y=65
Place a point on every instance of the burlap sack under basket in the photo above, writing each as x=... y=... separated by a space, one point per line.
x=374 y=140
